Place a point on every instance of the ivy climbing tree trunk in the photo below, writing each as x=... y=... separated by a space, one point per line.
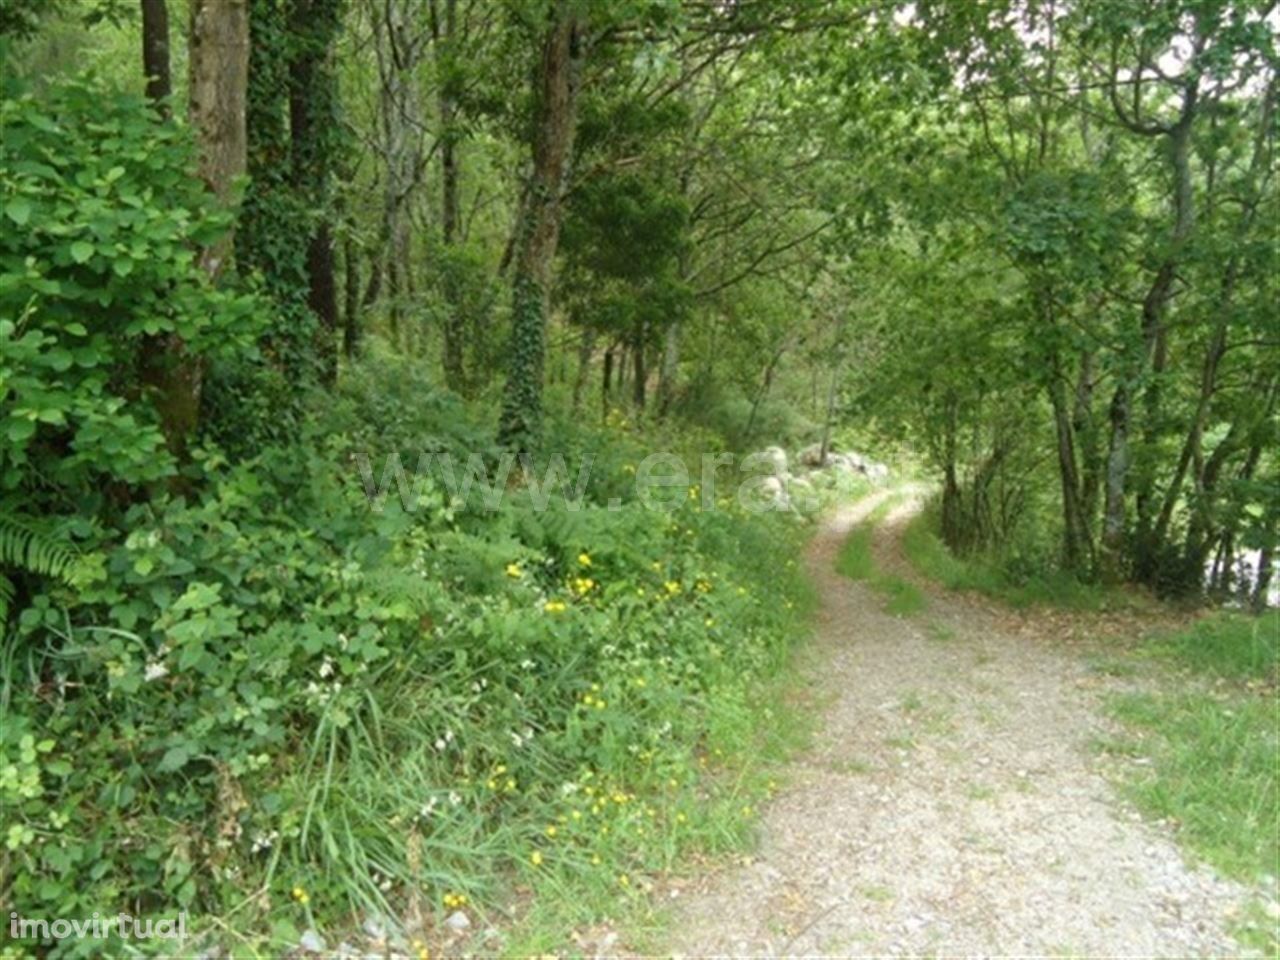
x=556 y=93
x=313 y=122
x=444 y=25
x=399 y=43
x=162 y=355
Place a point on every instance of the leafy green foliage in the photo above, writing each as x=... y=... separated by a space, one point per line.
x=1008 y=577
x=279 y=686
x=97 y=264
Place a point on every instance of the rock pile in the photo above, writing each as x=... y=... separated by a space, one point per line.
x=785 y=490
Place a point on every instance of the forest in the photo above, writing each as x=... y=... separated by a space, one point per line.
x=415 y=415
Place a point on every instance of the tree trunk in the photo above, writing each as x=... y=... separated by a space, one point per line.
x=1266 y=568
x=1217 y=345
x=445 y=30
x=1154 y=337
x=1152 y=356
x=670 y=368
x=605 y=383
x=557 y=94
x=586 y=348
x=155 y=54
x=219 y=65
x=313 y=95
x=1075 y=534
x=641 y=373
x=398 y=48
x=1111 y=548
x=829 y=418
x=351 y=298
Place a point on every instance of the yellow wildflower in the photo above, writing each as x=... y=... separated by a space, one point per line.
x=554 y=606
x=536 y=858
x=584 y=559
x=301 y=895
x=514 y=571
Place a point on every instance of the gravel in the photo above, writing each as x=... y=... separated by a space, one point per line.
x=951 y=804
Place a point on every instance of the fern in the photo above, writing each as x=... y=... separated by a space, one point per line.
x=25 y=548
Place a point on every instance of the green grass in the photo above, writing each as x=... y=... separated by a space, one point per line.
x=1213 y=755
x=982 y=574
x=855 y=560
x=1213 y=773
x=1229 y=645
x=904 y=597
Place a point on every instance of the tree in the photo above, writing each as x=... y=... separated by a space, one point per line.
x=219 y=62
x=555 y=90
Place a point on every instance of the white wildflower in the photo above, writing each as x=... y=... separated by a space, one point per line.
x=264 y=841
x=155 y=670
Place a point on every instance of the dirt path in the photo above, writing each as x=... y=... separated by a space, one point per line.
x=951 y=803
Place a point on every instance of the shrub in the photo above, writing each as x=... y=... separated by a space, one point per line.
x=103 y=222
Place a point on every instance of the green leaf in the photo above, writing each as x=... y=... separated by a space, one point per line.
x=19 y=210
x=81 y=251
x=19 y=430
x=175 y=758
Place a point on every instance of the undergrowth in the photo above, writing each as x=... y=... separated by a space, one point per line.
x=281 y=708
x=989 y=576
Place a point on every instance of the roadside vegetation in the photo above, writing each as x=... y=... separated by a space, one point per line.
x=252 y=249
x=1208 y=729
x=1006 y=576
x=394 y=716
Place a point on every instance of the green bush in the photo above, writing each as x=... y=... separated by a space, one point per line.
x=103 y=220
